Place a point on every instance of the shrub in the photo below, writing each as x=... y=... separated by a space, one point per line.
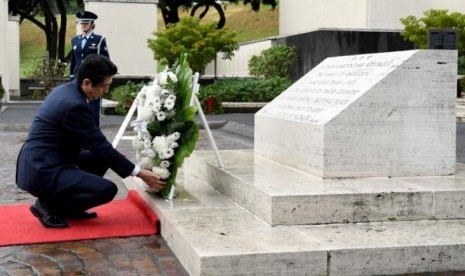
x=125 y=95
x=201 y=42
x=240 y=90
x=273 y=62
x=47 y=73
x=416 y=29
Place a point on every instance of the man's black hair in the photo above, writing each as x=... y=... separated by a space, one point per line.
x=96 y=68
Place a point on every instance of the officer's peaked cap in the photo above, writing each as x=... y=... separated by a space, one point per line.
x=86 y=16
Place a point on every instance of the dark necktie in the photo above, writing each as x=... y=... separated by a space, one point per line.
x=83 y=42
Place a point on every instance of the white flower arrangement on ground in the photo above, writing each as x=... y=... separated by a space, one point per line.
x=165 y=124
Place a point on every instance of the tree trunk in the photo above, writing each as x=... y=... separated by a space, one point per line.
x=51 y=29
x=62 y=31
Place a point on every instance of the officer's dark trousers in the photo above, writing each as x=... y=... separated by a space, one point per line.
x=83 y=188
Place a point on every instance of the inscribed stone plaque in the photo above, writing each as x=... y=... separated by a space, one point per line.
x=388 y=114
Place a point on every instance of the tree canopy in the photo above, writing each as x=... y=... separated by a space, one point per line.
x=416 y=29
x=54 y=29
x=170 y=8
x=201 y=42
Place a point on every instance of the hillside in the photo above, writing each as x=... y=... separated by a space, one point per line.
x=248 y=25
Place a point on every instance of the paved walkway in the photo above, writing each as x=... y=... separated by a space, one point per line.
x=116 y=256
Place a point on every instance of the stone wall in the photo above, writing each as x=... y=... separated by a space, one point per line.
x=314 y=47
x=27 y=85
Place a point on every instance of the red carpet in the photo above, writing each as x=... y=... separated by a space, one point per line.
x=119 y=218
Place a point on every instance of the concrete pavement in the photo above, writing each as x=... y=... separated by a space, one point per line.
x=116 y=256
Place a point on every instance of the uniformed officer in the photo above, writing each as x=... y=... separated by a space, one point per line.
x=84 y=44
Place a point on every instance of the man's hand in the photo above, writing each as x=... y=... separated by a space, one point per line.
x=151 y=179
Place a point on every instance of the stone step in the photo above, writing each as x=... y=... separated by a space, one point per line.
x=280 y=195
x=211 y=235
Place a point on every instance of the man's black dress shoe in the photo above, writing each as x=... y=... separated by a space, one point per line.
x=81 y=215
x=46 y=217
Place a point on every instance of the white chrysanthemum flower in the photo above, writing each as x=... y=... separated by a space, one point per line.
x=148 y=153
x=162 y=172
x=165 y=76
x=173 y=145
x=157 y=106
x=141 y=96
x=165 y=92
x=171 y=97
x=147 y=143
x=159 y=144
x=138 y=143
x=157 y=101
x=167 y=153
x=161 y=116
x=165 y=164
x=145 y=163
x=152 y=100
x=145 y=114
x=173 y=137
x=169 y=103
x=151 y=90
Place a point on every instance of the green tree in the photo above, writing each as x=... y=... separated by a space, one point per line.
x=273 y=62
x=416 y=29
x=53 y=24
x=201 y=42
x=169 y=8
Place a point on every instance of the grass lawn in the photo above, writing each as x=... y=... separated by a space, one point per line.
x=248 y=25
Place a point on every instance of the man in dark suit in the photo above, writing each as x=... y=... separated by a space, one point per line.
x=85 y=44
x=52 y=164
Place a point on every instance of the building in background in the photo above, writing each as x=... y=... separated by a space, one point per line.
x=127 y=24
x=301 y=16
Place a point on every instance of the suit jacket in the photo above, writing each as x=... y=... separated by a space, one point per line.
x=62 y=127
x=95 y=44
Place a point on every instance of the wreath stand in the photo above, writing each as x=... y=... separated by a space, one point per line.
x=194 y=101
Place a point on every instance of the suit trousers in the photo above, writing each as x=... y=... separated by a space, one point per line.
x=82 y=188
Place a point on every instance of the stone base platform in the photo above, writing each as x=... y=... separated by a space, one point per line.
x=393 y=225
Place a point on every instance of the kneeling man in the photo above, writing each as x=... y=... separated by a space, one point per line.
x=53 y=165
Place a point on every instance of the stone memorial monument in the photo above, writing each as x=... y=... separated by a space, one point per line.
x=389 y=114
x=353 y=173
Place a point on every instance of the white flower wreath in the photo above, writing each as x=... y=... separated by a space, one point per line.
x=165 y=126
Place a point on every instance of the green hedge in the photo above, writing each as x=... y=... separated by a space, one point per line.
x=125 y=95
x=212 y=95
x=240 y=90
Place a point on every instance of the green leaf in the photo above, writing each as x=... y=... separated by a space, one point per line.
x=188 y=114
x=154 y=128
